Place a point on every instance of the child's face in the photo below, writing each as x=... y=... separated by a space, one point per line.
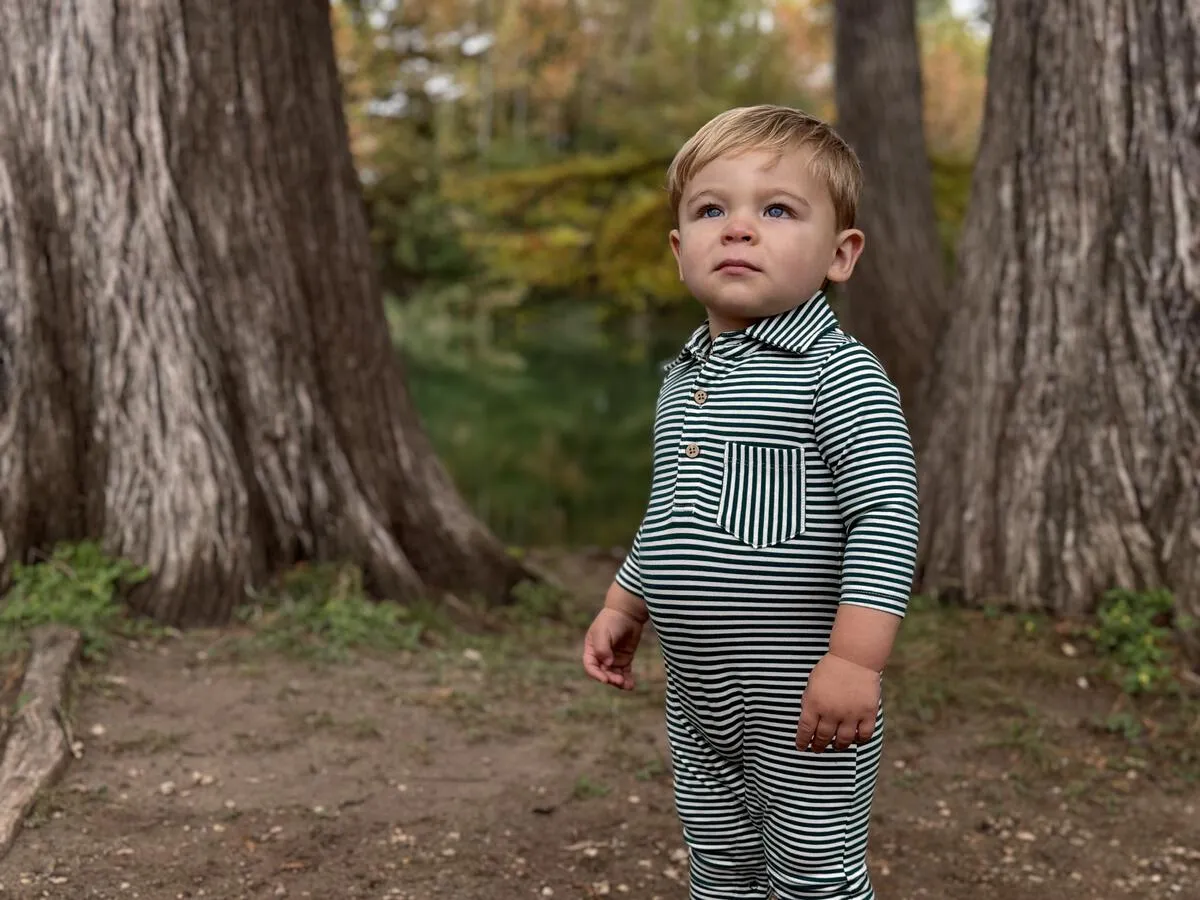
x=758 y=237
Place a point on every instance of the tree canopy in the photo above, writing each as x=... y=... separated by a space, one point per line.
x=517 y=146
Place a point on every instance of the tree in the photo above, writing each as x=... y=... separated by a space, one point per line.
x=194 y=361
x=1065 y=453
x=897 y=301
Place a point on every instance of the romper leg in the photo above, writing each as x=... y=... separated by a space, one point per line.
x=725 y=846
x=817 y=810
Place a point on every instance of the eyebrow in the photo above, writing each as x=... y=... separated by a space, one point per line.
x=716 y=195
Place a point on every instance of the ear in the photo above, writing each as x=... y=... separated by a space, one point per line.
x=848 y=249
x=673 y=238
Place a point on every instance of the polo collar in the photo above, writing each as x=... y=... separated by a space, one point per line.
x=793 y=331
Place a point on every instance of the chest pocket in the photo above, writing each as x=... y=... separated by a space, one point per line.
x=762 y=494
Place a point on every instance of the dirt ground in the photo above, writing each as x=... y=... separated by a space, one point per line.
x=485 y=767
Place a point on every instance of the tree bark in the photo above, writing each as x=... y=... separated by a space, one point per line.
x=194 y=360
x=897 y=300
x=1065 y=457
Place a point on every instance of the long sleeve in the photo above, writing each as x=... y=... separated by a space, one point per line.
x=629 y=575
x=863 y=438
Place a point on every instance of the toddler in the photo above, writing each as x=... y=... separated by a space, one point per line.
x=776 y=554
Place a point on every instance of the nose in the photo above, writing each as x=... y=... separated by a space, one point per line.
x=738 y=231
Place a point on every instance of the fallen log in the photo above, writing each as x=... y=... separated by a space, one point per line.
x=38 y=747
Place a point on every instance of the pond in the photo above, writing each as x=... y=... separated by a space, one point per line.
x=546 y=429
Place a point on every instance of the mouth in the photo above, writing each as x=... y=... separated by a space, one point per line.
x=734 y=266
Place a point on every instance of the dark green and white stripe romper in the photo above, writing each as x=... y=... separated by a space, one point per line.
x=784 y=485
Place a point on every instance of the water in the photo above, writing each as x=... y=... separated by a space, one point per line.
x=546 y=430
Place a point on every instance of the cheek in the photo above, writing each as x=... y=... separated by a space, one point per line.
x=689 y=258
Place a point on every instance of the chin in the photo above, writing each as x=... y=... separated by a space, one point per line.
x=747 y=309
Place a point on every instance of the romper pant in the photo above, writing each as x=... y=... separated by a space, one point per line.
x=758 y=815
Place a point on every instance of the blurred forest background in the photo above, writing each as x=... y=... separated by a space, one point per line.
x=512 y=153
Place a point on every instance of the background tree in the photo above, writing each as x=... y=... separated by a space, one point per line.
x=194 y=357
x=1065 y=457
x=897 y=301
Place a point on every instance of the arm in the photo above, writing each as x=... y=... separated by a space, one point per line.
x=863 y=438
x=625 y=594
x=612 y=639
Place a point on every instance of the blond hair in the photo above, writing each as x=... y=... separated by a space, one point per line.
x=778 y=129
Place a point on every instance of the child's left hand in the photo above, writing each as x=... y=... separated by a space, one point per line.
x=839 y=705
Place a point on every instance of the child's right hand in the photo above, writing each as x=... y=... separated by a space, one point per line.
x=609 y=646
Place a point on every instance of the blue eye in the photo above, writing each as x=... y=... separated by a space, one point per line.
x=709 y=211
x=777 y=211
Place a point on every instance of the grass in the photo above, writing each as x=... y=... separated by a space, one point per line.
x=323 y=613
x=77 y=586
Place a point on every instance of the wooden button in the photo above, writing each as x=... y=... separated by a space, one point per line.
x=692 y=451
x=700 y=397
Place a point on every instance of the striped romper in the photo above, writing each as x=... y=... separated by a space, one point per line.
x=784 y=484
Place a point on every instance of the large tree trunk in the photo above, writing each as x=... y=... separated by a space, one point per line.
x=1065 y=458
x=194 y=360
x=897 y=301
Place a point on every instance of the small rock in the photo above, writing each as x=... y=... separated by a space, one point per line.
x=98 y=730
x=167 y=788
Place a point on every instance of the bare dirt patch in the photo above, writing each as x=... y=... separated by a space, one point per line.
x=485 y=767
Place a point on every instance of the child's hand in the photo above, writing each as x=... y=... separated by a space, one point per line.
x=609 y=647
x=839 y=705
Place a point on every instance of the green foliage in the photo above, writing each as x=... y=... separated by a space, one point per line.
x=322 y=612
x=79 y=586
x=519 y=148
x=586 y=226
x=1134 y=632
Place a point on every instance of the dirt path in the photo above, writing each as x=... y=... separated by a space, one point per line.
x=488 y=769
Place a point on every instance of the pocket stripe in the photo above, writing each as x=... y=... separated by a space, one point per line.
x=762 y=493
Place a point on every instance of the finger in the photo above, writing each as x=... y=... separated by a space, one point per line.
x=600 y=645
x=826 y=729
x=845 y=736
x=594 y=670
x=866 y=729
x=594 y=663
x=805 y=728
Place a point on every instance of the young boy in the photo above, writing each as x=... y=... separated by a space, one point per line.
x=777 y=551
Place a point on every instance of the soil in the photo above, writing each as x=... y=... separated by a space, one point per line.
x=485 y=767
